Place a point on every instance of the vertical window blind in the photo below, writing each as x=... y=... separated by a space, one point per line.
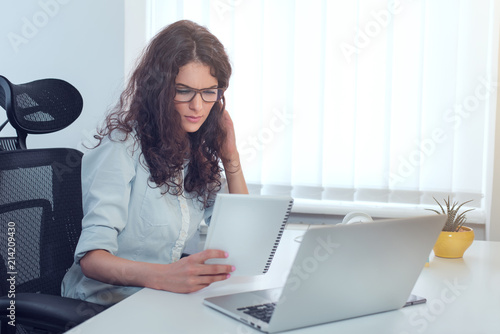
x=357 y=104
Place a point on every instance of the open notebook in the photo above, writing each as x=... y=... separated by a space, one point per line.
x=249 y=229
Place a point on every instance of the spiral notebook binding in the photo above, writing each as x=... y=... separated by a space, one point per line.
x=278 y=238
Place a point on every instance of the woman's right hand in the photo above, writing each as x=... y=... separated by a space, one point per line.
x=191 y=274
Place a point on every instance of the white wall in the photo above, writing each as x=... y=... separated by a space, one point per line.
x=136 y=32
x=80 y=41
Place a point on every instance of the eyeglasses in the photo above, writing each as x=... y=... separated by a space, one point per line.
x=187 y=94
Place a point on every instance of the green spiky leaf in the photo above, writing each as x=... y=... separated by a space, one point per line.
x=455 y=220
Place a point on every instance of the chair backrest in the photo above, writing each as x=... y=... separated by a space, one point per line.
x=40 y=217
x=37 y=107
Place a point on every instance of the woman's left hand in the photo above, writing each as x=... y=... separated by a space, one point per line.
x=231 y=159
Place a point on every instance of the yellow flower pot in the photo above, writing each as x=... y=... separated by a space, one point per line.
x=452 y=245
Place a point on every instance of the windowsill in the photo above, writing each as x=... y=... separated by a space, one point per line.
x=379 y=210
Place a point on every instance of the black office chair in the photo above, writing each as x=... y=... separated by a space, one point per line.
x=37 y=107
x=40 y=223
x=40 y=210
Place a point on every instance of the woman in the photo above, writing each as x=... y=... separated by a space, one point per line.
x=155 y=173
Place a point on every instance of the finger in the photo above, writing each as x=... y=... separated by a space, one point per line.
x=209 y=254
x=207 y=280
x=216 y=269
x=198 y=282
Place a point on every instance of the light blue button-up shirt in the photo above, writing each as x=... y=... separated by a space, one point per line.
x=127 y=217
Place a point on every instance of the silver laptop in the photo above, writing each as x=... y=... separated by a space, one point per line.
x=341 y=272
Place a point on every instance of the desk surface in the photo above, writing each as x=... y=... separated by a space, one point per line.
x=463 y=296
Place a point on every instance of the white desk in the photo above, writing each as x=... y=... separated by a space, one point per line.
x=463 y=297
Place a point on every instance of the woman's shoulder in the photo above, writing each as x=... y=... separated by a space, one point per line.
x=124 y=140
x=115 y=145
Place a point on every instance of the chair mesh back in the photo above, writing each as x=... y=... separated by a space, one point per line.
x=47 y=105
x=40 y=201
x=9 y=144
x=37 y=107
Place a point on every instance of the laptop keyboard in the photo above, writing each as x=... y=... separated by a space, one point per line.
x=262 y=312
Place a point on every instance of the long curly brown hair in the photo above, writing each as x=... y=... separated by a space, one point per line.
x=146 y=111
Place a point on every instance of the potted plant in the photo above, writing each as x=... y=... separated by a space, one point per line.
x=455 y=238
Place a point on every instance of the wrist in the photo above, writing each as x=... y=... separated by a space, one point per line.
x=232 y=163
x=152 y=277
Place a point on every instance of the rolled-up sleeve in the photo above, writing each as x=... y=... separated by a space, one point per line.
x=107 y=174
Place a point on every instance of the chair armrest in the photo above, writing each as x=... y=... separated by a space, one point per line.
x=54 y=313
